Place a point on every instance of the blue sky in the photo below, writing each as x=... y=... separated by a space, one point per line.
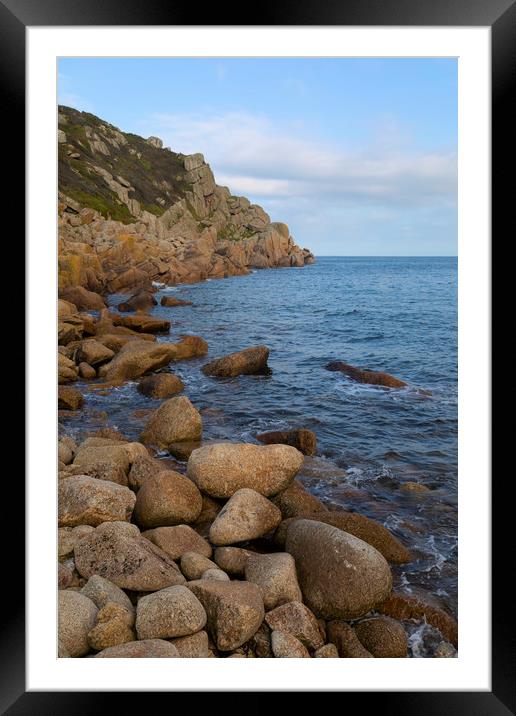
x=358 y=156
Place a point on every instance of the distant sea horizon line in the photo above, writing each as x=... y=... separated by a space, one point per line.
x=385 y=256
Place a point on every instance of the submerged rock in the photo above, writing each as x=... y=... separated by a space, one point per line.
x=247 y=362
x=170 y=301
x=162 y=385
x=370 y=377
x=302 y=439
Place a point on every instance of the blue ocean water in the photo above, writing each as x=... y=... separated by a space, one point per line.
x=398 y=315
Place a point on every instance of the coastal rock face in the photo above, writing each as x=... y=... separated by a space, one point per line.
x=360 y=526
x=85 y=500
x=234 y=610
x=118 y=552
x=247 y=362
x=341 y=577
x=302 y=439
x=169 y=613
x=221 y=469
x=168 y=223
x=167 y=498
x=175 y=421
x=361 y=375
x=245 y=516
x=77 y=615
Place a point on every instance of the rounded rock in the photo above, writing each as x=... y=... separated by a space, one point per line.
x=247 y=515
x=76 y=617
x=384 y=637
x=169 y=613
x=167 y=499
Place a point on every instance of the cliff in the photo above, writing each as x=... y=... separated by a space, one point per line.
x=132 y=211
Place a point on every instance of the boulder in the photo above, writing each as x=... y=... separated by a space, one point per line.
x=85 y=500
x=341 y=576
x=167 y=498
x=246 y=516
x=142 y=323
x=383 y=637
x=145 y=649
x=101 y=470
x=276 y=575
x=247 y=362
x=82 y=298
x=66 y=369
x=361 y=375
x=328 y=651
x=183 y=450
x=232 y=559
x=67 y=538
x=117 y=551
x=176 y=420
x=178 y=540
x=168 y=613
x=286 y=646
x=296 y=619
x=94 y=353
x=162 y=385
x=296 y=500
x=141 y=469
x=141 y=300
x=194 y=565
x=359 y=526
x=65 y=308
x=86 y=371
x=348 y=645
x=64 y=453
x=234 y=610
x=169 y=301
x=194 y=646
x=101 y=592
x=216 y=574
x=221 y=469
x=115 y=454
x=302 y=439
x=404 y=607
x=114 y=626
x=69 y=398
x=76 y=617
x=136 y=358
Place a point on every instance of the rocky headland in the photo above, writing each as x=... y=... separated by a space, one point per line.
x=217 y=549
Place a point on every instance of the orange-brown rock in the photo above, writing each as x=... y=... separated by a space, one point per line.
x=142 y=323
x=161 y=385
x=296 y=500
x=82 y=298
x=170 y=301
x=347 y=642
x=403 y=607
x=371 y=377
x=178 y=540
x=383 y=637
x=139 y=301
x=167 y=498
x=69 y=398
x=304 y=440
x=247 y=362
x=360 y=526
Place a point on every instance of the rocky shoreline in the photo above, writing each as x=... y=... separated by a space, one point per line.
x=217 y=550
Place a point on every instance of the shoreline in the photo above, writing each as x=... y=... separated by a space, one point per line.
x=291 y=501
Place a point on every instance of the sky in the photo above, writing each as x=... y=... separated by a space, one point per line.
x=357 y=155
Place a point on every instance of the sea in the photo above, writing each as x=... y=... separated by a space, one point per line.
x=389 y=454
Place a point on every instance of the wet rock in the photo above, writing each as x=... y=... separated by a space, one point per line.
x=276 y=575
x=76 y=617
x=166 y=499
x=359 y=526
x=144 y=649
x=179 y=540
x=94 y=353
x=341 y=576
x=296 y=500
x=67 y=370
x=383 y=637
x=234 y=609
x=194 y=646
x=286 y=646
x=302 y=439
x=328 y=651
x=162 y=385
x=221 y=469
x=232 y=559
x=86 y=371
x=247 y=515
x=361 y=375
x=85 y=500
x=194 y=565
x=414 y=487
x=170 y=301
x=69 y=398
x=296 y=619
x=118 y=552
x=114 y=626
x=403 y=607
x=169 y=613
x=176 y=420
x=139 y=301
x=247 y=362
x=343 y=636
x=101 y=592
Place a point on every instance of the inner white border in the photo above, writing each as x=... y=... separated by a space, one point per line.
x=471 y=670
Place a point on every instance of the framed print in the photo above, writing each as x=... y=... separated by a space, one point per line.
x=258 y=339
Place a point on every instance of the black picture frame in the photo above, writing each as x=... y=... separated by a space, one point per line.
x=500 y=15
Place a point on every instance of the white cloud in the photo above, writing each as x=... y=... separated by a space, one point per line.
x=252 y=156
